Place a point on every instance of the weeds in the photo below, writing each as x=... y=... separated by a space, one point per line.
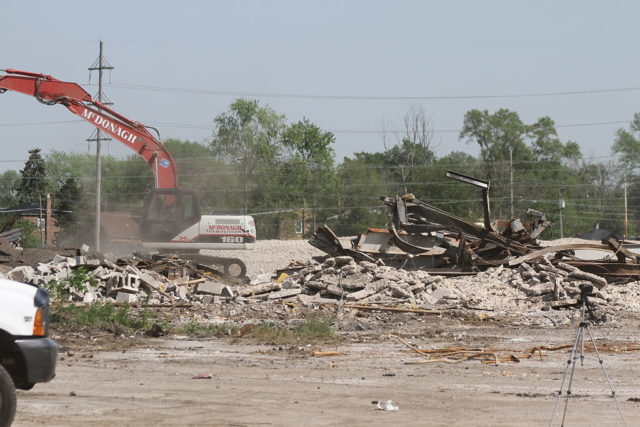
x=311 y=330
x=78 y=281
x=203 y=330
x=101 y=315
x=110 y=317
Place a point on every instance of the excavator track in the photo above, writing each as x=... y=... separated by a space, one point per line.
x=233 y=267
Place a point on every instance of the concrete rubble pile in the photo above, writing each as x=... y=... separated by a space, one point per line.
x=325 y=281
x=537 y=287
x=126 y=280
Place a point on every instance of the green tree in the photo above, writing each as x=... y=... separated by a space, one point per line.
x=499 y=135
x=72 y=215
x=411 y=151
x=627 y=146
x=531 y=154
x=33 y=184
x=212 y=179
x=547 y=147
x=308 y=174
x=247 y=136
x=246 y=130
x=363 y=180
x=627 y=143
x=9 y=184
x=66 y=202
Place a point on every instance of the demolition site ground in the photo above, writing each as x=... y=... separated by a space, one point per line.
x=244 y=381
x=331 y=341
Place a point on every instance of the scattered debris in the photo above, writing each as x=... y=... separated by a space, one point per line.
x=202 y=377
x=386 y=405
x=317 y=353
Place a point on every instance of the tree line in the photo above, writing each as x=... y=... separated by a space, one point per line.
x=257 y=163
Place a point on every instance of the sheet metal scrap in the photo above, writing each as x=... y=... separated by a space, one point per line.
x=473 y=246
x=421 y=236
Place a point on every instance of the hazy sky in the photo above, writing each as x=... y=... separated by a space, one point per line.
x=346 y=65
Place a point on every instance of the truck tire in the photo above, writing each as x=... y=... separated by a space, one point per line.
x=7 y=398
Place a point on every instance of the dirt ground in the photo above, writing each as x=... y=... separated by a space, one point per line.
x=150 y=381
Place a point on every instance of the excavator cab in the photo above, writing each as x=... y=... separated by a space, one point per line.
x=167 y=212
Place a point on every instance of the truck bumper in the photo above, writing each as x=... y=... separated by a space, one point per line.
x=40 y=355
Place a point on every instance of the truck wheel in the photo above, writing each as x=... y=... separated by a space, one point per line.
x=7 y=398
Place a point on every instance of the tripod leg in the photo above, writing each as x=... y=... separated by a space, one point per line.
x=566 y=371
x=579 y=342
x=601 y=362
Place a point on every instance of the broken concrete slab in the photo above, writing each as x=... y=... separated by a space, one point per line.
x=284 y=293
x=260 y=289
x=23 y=273
x=210 y=287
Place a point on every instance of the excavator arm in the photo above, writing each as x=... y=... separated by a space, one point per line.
x=134 y=135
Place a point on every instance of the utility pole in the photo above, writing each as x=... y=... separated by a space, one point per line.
x=560 y=208
x=511 y=179
x=626 y=218
x=99 y=65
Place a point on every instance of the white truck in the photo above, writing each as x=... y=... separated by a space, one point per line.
x=27 y=354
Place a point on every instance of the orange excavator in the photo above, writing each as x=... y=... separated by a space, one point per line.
x=171 y=219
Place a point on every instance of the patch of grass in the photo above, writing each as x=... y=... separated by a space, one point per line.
x=203 y=330
x=78 y=281
x=102 y=316
x=312 y=330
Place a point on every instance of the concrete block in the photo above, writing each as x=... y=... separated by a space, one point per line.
x=99 y=271
x=290 y=283
x=260 y=278
x=398 y=292
x=181 y=292
x=210 y=287
x=132 y=281
x=58 y=259
x=306 y=300
x=129 y=283
x=23 y=273
x=88 y=297
x=208 y=299
x=126 y=297
x=441 y=294
x=149 y=280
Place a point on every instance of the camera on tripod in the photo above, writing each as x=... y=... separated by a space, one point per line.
x=586 y=290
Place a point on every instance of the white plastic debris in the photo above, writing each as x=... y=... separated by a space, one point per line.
x=387 y=405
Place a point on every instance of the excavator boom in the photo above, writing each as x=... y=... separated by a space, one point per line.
x=134 y=135
x=171 y=219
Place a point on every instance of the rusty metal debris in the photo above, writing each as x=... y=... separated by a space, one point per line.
x=496 y=356
x=420 y=236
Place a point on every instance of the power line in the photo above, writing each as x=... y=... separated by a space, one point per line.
x=58 y=122
x=335 y=131
x=364 y=97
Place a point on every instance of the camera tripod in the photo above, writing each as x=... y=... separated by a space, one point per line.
x=577 y=352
